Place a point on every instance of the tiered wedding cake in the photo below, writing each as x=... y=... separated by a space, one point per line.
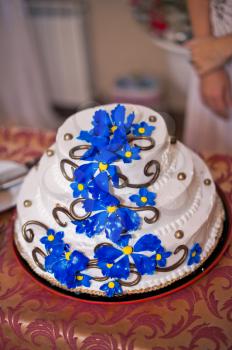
x=117 y=206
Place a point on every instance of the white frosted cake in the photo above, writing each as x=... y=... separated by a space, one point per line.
x=117 y=206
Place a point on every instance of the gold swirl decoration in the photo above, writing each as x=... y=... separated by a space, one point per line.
x=38 y=252
x=28 y=233
x=72 y=152
x=147 y=172
x=63 y=166
x=70 y=213
x=151 y=142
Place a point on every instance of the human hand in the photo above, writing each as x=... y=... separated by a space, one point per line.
x=216 y=92
x=209 y=53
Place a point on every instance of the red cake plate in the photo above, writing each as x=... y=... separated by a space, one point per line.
x=213 y=259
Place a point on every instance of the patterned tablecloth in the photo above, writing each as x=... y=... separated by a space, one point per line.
x=31 y=317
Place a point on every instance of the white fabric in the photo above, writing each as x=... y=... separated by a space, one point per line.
x=24 y=97
x=204 y=130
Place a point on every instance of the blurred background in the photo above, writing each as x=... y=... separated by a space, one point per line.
x=59 y=56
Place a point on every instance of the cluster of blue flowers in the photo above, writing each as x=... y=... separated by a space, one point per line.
x=109 y=143
x=69 y=267
x=115 y=262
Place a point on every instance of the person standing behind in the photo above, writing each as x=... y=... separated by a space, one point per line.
x=208 y=124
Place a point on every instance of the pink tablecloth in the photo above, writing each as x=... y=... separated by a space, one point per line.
x=198 y=317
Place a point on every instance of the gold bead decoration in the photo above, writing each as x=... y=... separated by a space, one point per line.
x=68 y=137
x=50 y=152
x=152 y=119
x=207 y=182
x=179 y=234
x=27 y=203
x=181 y=176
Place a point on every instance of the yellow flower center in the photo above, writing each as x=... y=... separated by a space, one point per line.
x=194 y=253
x=80 y=187
x=67 y=255
x=111 y=209
x=103 y=166
x=51 y=238
x=114 y=128
x=127 y=250
x=158 y=257
x=111 y=285
x=109 y=266
x=79 y=278
x=141 y=130
x=128 y=154
x=144 y=199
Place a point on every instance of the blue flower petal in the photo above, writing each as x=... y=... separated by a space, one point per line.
x=119 y=269
x=114 y=227
x=123 y=241
x=91 y=205
x=118 y=115
x=112 y=170
x=107 y=253
x=131 y=220
x=148 y=243
x=144 y=264
x=78 y=260
x=100 y=184
x=85 y=172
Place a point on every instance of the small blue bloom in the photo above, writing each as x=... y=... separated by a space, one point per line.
x=62 y=262
x=76 y=279
x=53 y=238
x=87 y=171
x=143 y=198
x=161 y=256
x=143 y=129
x=80 y=189
x=194 y=254
x=118 y=259
x=111 y=288
x=110 y=217
x=108 y=133
x=128 y=153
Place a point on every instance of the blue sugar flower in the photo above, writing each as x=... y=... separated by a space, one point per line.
x=121 y=258
x=194 y=254
x=161 y=256
x=143 y=198
x=76 y=279
x=108 y=133
x=80 y=189
x=143 y=129
x=105 y=124
x=128 y=153
x=87 y=171
x=62 y=262
x=53 y=238
x=110 y=217
x=111 y=288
